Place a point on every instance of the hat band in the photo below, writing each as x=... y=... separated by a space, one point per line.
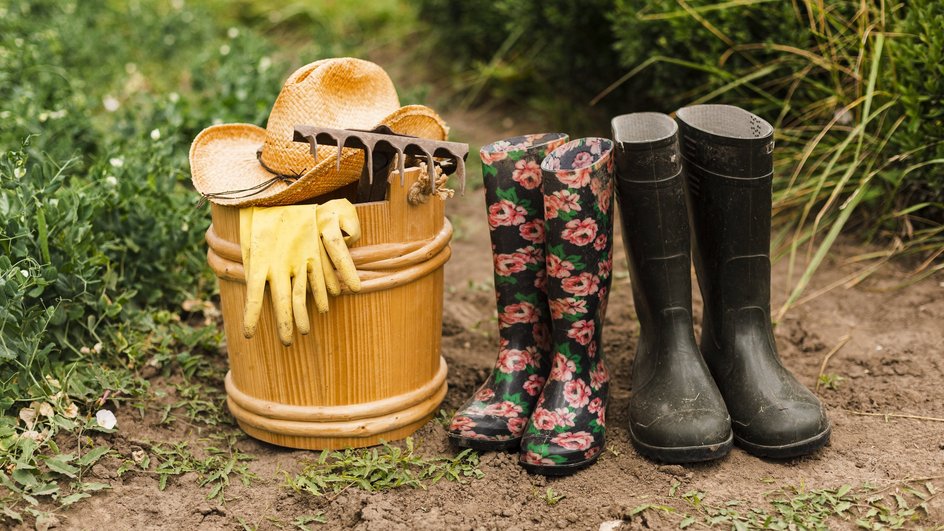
x=257 y=189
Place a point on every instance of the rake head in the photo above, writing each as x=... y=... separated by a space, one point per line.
x=382 y=148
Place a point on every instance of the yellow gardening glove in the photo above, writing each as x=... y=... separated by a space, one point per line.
x=334 y=217
x=280 y=245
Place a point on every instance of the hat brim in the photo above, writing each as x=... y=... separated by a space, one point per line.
x=224 y=167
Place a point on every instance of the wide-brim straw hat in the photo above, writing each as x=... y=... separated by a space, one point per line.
x=245 y=165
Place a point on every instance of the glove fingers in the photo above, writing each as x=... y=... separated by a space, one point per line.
x=255 y=291
x=245 y=235
x=337 y=250
x=317 y=281
x=299 y=303
x=330 y=277
x=352 y=227
x=281 y=301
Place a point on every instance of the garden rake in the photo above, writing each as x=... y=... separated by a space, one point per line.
x=382 y=148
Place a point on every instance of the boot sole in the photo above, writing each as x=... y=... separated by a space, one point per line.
x=786 y=451
x=558 y=470
x=683 y=454
x=485 y=445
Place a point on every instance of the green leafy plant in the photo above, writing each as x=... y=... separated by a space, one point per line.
x=214 y=470
x=381 y=469
x=552 y=497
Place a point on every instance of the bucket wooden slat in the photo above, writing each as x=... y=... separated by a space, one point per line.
x=370 y=370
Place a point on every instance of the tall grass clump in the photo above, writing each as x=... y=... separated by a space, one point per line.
x=853 y=88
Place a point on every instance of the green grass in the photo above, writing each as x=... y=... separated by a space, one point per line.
x=381 y=469
x=902 y=505
x=214 y=470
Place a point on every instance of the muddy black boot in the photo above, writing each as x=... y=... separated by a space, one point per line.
x=495 y=417
x=676 y=413
x=567 y=428
x=728 y=160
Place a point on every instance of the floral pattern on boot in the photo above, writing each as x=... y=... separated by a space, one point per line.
x=496 y=416
x=567 y=429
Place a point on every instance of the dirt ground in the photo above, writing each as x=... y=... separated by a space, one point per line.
x=891 y=363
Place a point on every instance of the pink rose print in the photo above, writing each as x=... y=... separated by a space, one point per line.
x=580 y=440
x=527 y=173
x=581 y=331
x=581 y=285
x=565 y=417
x=484 y=394
x=534 y=385
x=552 y=207
x=561 y=201
x=577 y=393
x=488 y=157
x=551 y=162
x=567 y=201
x=521 y=312
x=503 y=409
x=505 y=213
x=531 y=254
x=592 y=349
x=512 y=360
x=568 y=306
x=576 y=179
x=509 y=264
x=542 y=336
x=562 y=368
x=516 y=425
x=537 y=459
x=580 y=232
x=599 y=376
x=543 y=419
x=533 y=231
x=540 y=279
x=601 y=417
x=462 y=423
x=558 y=268
x=591 y=452
x=604 y=301
x=595 y=405
x=604 y=269
x=600 y=243
x=583 y=158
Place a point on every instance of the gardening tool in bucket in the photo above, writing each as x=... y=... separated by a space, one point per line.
x=370 y=369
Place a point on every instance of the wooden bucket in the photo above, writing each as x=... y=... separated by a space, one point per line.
x=370 y=370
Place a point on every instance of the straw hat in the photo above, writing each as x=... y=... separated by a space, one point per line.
x=243 y=164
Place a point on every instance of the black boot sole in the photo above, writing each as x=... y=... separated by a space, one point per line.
x=558 y=470
x=485 y=446
x=786 y=451
x=683 y=454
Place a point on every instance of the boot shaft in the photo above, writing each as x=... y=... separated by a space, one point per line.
x=515 y=202
x=650 y=189
x=578 y=204
x=727 y=156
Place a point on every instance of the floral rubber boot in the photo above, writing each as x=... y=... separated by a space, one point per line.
x=495 y=417
x=567 y=429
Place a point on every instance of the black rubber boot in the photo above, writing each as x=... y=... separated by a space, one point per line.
x=728 y=159
x=496 y=415
x=676 y=413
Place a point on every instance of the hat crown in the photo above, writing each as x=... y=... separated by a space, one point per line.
x=343 y=93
